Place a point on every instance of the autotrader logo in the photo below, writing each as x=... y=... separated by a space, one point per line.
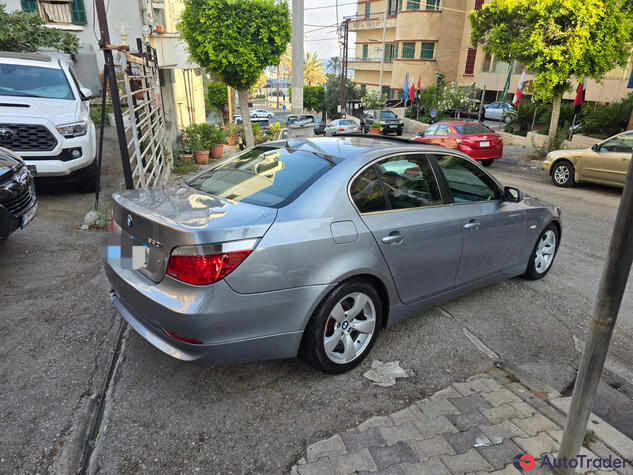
x=524 y=462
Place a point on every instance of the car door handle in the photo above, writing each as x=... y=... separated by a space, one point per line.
x=472 y=225
x=394 y=238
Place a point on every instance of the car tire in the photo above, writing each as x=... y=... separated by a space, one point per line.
x=399 y=132
x=507 y=119
x=540 y=261
x=88 y=183
x=563 y=174
x=332 y=341
x=487 y=162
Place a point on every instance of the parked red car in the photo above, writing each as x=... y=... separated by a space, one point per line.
x=473 y=138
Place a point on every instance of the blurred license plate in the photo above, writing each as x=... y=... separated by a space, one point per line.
x=28 y=216
x=484 y=143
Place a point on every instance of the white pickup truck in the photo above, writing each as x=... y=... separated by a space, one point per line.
x=45 y=118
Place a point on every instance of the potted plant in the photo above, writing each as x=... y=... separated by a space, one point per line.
x=232 y=131
x=200 y=143
x=185 y=144
x=217 y=137
x=374 y=128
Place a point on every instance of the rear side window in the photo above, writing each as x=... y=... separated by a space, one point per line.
x=466 y=180
x=367 y=192
x=473 y=129
x=409 y=182
x=264 y=176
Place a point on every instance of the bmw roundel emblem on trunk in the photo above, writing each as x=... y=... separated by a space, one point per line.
x=130 y=221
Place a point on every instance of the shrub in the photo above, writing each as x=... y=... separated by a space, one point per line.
x=610 y=119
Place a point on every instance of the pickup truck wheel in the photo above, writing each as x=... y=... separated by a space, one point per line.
x=399 y=132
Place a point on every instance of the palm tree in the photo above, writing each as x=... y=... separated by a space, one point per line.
x=285 y=64
x=334 y=63
x=313 y=74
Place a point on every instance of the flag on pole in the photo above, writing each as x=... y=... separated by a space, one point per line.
x=580 y=95
x=630 y=85
x=417 y=91
x=506 y=86
x=412 y=89
x=405 y=89
x=516 y=101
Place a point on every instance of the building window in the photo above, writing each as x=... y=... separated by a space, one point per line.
x=413 y=4
x=408 y=50
x=395 y=55
x=478 y=4
x=388 y=52
x=470 y=61
x=432 y=4
x=363 y=89
x=365 y=52
x=485 y=67
x=55 y=12
x=367 y=10
x=393 y=7
x=427 y=50
x=385 y=91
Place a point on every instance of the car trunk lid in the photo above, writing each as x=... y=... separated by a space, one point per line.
x=155 y=221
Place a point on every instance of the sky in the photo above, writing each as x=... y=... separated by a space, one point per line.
x=320 y=26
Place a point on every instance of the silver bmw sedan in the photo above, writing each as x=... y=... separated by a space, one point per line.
x=313 y=246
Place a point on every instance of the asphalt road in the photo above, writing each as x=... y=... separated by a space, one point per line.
x=58 y=332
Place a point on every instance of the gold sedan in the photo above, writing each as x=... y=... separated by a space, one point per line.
x=606 y=162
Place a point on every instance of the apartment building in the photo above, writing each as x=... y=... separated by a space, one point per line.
x=182 y=87
x=429 y=37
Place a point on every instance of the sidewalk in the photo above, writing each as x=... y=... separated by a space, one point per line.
x=520 y=155
x=478 y=426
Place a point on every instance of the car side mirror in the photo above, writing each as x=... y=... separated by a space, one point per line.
x=419 y=134
x=85 y=93
x=595 y=147
x=513 y=195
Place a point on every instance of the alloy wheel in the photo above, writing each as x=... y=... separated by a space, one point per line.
x=561 y=174
x=545 y=250
x=349 y=328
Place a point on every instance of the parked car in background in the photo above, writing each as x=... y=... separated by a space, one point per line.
x=261 y=113
x=45 y=118
x=301 y=118
x=312 y=247
x=495 y=111
x=388 y=120
x=473 y=138
x=606 y=162
x=264 y=124
x=18 y=204
x=281 y=134
x=319 y=127
x=340 y=126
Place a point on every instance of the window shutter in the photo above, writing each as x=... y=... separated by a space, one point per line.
x=478 y=4
x=29 y=5
x=78 y=12
x=470 y=61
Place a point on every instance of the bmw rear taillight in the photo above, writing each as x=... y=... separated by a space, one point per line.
x=208 y=263
x=341 y=129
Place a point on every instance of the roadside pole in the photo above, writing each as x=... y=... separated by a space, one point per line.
x=382 y=55
x=228 y=90
x=481 y=103
x=605 y=313
x=297 y=57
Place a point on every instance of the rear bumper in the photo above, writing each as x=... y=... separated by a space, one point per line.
x=232 y=327
x=482 y=154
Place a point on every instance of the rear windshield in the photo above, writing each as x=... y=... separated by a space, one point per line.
x=343 y=122
x=387 y=115
x=264 y=176
x=33 y=81
x=473 y=129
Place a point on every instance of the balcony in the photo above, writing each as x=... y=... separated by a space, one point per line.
x=370 y=64
x=371 y=24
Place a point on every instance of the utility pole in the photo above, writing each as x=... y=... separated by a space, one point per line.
x=382 y=55
x=605 y=313
x=345 y=32
x=297 y=57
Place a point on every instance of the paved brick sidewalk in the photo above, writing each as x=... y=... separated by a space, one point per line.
x=477 y=426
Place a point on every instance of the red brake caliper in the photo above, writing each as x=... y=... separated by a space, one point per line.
x=329 y=328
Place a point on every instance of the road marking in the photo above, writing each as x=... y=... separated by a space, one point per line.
x=480 y=345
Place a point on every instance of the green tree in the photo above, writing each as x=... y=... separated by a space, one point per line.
x=217 y=97
x=314 y=98
x=556 y=40
x=24 y=32
x=236 y=40
x=373 y=101
x=333 y=93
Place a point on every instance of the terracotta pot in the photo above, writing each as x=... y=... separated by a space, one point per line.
x=230 y=141
x=187 y=157
x=201 y=156
x=216 y=152
x=374 y=130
